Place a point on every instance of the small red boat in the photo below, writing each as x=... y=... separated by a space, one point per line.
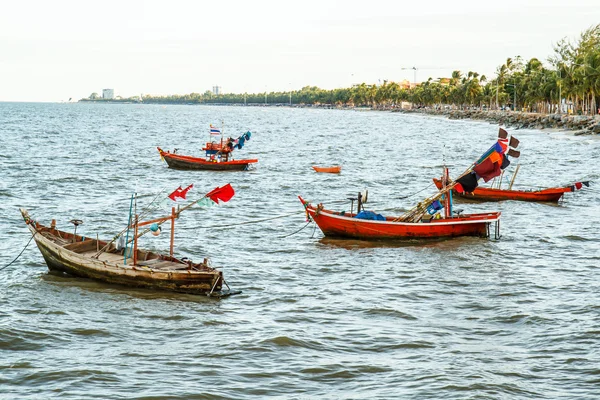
x=346 y=225
x=177 y=161
x=552 y=195
x=336 y=169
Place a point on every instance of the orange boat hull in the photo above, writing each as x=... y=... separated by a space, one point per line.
x=330 y=170
x=177 y=161
x=335 y=224
x=551 y=195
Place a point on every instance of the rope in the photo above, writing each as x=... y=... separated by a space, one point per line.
x=411 y=195
x=251 y=222
x=282 y=237
x=9 y=264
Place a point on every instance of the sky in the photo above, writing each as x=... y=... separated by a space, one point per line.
x=61 y=49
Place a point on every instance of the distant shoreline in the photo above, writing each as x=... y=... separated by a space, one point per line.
x=581 y=124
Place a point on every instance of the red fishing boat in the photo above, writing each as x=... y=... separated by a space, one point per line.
x=493 y=164
x=218 y=155
x=552 y=195
x=347 y=225
x=336 y=169
x=177 y=161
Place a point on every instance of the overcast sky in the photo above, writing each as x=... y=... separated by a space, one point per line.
x=60 y=49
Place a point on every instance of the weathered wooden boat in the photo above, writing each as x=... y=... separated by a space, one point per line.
x=91 y=258
x=552 y=195
x=336 y=169
x=346 y=225
x=218 y=155
x=177 y=161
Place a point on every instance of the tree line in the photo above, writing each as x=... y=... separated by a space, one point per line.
x=570 y=80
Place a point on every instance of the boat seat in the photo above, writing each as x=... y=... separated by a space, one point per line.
x=82 y=247
x=58 y=240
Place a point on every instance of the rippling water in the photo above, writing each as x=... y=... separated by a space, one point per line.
x=462 y=318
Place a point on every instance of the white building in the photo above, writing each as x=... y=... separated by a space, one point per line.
x=217 y=90
x=108 y=94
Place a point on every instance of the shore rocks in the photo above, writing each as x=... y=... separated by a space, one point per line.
x=583 y=124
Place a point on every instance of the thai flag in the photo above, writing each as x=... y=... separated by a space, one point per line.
x=214 y=130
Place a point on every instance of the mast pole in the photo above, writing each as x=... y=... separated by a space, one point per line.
x=447 y=210
x=173 y=216
x=135 y=241
x=223 y=155
x=127 y=235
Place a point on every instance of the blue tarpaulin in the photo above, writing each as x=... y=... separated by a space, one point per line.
x=370 y=215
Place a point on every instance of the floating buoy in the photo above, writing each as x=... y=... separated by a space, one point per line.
x=155 y=229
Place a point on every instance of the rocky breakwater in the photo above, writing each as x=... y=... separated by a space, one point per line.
x=581 y=124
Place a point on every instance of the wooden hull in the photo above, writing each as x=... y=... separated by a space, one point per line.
x=551 y=195
x=177 y=161
x=334 y=224
x=74 y=255
x=329 y=170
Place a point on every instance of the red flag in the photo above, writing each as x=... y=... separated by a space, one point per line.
x=224 y=194
x=502 y=134
x=180 y=193
x=514 y=142
x=173 y=195
x=578 y=185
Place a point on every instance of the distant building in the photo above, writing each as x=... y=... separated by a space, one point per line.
x=217 y=90
x=108 y=94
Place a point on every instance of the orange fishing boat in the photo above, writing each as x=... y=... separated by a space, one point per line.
x=347 y=225
x=336 y=169
x=431 y=218
x=177 y=161
x=218 y=155
x=492 y=164
x=552 y=195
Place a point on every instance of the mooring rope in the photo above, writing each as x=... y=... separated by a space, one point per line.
x=251 y=222
x=9 y=264
x=293 y=233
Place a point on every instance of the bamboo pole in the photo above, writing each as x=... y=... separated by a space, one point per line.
x=447 y=211
x=500 y=182
x=513 y=177
x=415 y=213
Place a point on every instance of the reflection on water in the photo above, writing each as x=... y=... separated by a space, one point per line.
x=351 y=244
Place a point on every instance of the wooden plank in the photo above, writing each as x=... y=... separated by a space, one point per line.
x=110 y=258
x=168 y=265
x=149 y=262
